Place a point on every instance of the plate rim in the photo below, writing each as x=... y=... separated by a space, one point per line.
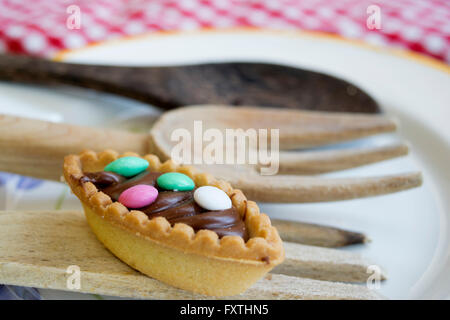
x=425 y=60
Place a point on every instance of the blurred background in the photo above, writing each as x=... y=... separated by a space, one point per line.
x=44 y=27
x=409 y=223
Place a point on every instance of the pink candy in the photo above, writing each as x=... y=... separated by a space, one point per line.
x=138 y=196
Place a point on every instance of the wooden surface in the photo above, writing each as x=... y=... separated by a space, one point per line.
x=36 y=248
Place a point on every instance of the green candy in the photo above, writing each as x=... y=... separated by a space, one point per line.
x=127 y=166
x=175 y=181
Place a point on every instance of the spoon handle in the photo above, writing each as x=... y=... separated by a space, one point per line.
x=133 y=82
x=37 y=70
x=37 y=148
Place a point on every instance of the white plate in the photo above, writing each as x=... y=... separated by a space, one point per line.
x=409 y=230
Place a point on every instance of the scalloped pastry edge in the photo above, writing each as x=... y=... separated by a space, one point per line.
x=263 y=247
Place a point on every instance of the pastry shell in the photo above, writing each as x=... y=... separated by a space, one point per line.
x=179 y=256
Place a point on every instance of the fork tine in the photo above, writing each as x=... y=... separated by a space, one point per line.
x=316 y=234
x=290 y=188
x=308 y=129
x=297 y=129
x=314 y=162
x=278 y=286
x=324 y=264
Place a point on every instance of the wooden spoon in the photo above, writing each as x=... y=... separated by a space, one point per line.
x=231 y=83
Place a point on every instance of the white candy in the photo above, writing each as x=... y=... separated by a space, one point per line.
x=212 y=198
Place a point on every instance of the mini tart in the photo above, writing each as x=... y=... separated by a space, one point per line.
x=195 y=261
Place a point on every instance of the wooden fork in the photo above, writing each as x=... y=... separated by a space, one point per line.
x=36 y=148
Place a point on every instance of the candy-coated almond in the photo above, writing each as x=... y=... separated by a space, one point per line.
x=212 y=198
x=138 y=196
x=175 y=181
x=127 y=166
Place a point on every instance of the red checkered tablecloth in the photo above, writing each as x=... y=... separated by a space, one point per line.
x=40 y=27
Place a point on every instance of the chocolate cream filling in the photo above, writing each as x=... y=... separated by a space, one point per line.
x=175 y=206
